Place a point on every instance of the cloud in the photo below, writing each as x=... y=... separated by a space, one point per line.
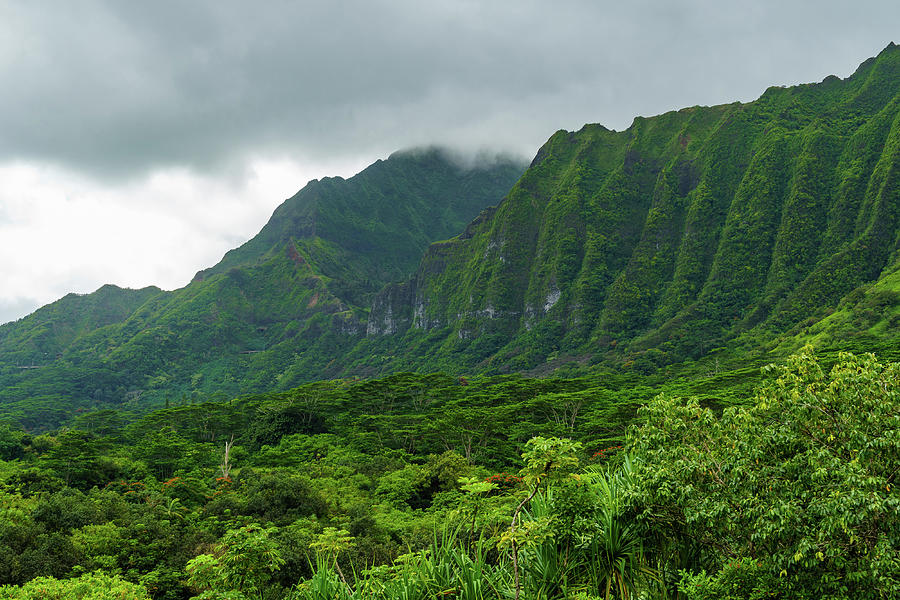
x=65 y=232
x=122 y=88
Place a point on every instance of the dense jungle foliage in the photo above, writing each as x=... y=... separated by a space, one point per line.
x=435 y=487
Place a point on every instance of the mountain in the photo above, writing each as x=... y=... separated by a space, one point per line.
x=40 y=336
x=304 y=282
x=704 y=228
x=370 y=230
x=739 y=231
x=37 y=386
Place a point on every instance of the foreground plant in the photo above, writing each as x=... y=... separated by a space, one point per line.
x=615 y=559
x=90 y=586
x=241 y=566
x=799 y=489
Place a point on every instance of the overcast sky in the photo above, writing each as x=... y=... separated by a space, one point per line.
x=139 y=141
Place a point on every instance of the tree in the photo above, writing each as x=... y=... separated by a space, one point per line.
x=11 y=443
x=90 y=586
x=243 y=561
x=799 y=487
x=163 y=451
x=546 y=460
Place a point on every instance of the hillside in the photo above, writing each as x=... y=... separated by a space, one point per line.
x=40 y=336
x=690 y=231
x=370 y=230
x=307 y=277
x=736 y=232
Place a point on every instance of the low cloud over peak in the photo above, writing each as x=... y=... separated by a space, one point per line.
x=122 y=88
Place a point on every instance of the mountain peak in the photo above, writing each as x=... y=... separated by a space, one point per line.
x=415 y=190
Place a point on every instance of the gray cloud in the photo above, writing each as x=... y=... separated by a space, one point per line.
x=117 y=89
x=10 y=310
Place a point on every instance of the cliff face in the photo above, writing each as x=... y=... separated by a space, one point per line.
x=673 y=237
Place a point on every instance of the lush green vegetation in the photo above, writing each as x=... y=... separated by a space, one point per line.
x=733 y=231
x=303 y=285
x=431 y=487
x=572 y=398
x=699 y=229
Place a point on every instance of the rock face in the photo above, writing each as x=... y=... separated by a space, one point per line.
x=383 y=320
x=664 y=241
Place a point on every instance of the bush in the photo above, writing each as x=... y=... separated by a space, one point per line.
x=801 y=484
x=90 y=586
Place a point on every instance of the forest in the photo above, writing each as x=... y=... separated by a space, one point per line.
x=432 y=486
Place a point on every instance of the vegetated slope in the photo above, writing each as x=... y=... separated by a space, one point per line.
x=684 y=233
x=867 y=319
x=32 y=378
x=306 y=278
x=364 y=232
x=40 y=336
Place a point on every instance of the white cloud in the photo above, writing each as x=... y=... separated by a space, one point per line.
x=62 y=232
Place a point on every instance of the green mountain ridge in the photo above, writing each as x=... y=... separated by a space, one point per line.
x=686 y=232
x=56 y=325
x=307 y=277
x=744 y=229
x=354 y=231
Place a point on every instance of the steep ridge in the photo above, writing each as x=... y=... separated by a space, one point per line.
x=39 y=337
x=302 y=285
x=36 y=382
x=750 y=227
x=370 y=230
x=681 y=234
